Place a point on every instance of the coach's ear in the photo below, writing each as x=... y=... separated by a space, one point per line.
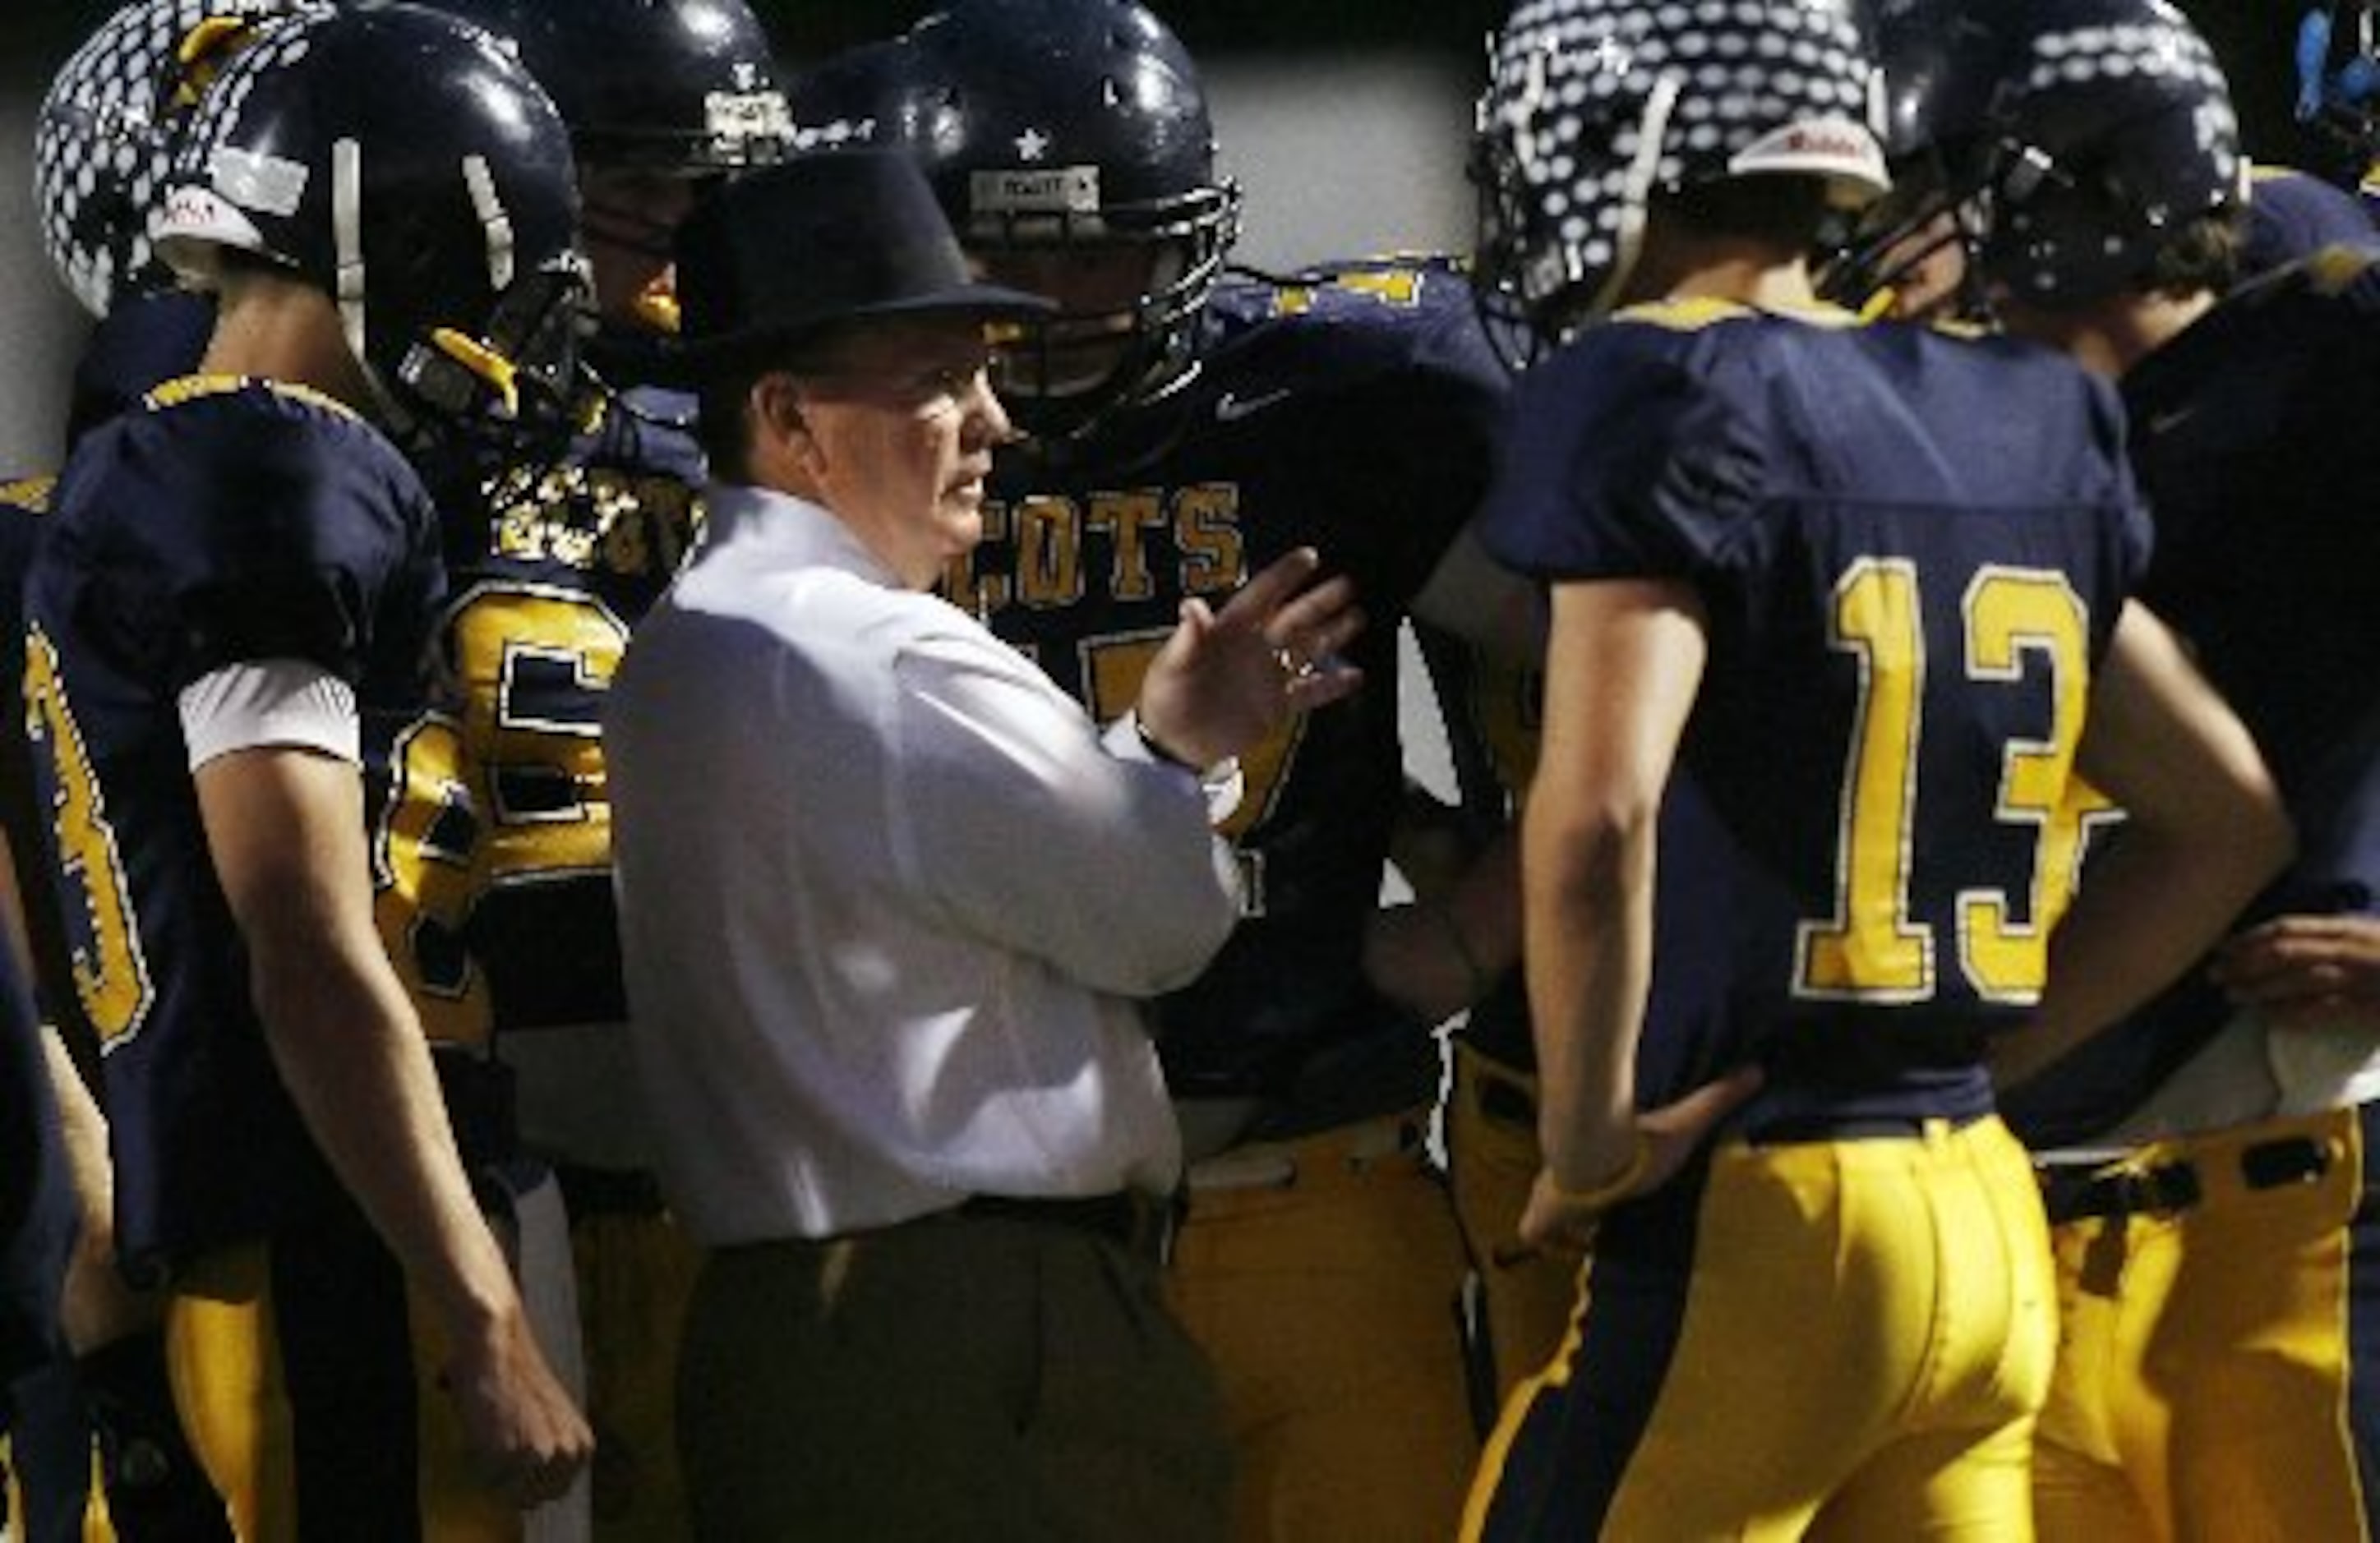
x=780 y=430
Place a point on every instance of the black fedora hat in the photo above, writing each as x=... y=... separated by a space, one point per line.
x=776 y=255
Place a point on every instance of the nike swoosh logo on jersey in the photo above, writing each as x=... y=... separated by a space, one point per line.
x=1231 y=407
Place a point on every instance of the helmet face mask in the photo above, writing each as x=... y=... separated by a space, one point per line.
x=511 y=391
x=400 y=163
x=1130 y=282
x=1593 y=108
x=1913 y=253
x=1107 y=300
x=1944 y=67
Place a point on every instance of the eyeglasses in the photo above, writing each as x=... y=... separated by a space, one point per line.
x=928 y=389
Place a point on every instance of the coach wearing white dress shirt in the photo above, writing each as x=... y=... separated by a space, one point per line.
x=887 y=899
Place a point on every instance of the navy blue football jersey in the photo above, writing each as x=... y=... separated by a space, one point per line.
x=38 y=1220
x=1353 y=413
x=1910 y=550
x=500 y=913
x=24 y=505
x=144 y=340
x=221 y=521
x=2252 y=437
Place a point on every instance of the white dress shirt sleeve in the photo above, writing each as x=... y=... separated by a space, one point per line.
x=1015 y=815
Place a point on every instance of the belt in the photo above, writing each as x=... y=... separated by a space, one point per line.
x=1788 y=1129
x=1135 y=1219
x=2072 y=1194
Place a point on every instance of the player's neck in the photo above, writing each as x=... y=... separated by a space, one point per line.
x=2110 y=336
x=1681 y=266
x=275 y=329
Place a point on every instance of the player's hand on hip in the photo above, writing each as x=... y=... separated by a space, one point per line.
x=522 y=1429
x=2305 y=971
x=1227 y=678
x=1563 y=1217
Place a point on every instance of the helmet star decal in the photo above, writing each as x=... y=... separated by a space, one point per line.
x=1032 y=145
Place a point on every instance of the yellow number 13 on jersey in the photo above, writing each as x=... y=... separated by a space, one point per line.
x=1871 y=949
x=111 y=974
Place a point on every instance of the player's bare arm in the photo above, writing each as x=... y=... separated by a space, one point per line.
x=2204 y=832
x=1446 y=950
x=285 y=829
x=1623 y=664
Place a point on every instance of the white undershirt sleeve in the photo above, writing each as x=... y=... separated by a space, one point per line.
x=270 y=702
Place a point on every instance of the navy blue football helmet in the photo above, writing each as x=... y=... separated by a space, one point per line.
x=110 y=125
x=1946 y=64
x=1594 y=106
x=682 y=88
x=401 y=163
x=2118 y=132
x=1066 y=126
x=855 y=98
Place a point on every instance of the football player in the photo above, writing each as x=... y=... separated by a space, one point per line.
x=1518 y=1298
x=227 y=610
x=103 y=146
x=2206 y=1162
x=1882 y=570
x=1184 y=428
x=551 y=564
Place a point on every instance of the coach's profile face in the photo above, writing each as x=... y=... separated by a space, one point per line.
x=891 y=424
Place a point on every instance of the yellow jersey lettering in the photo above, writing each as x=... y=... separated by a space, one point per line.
x=1126 y=518
x=111 y=972
x=1207 y=532
x=1870 y=950
x=2014 y=616
x=2017 y=621
x=422 y=856
x=969 y=588
x=1048 y=564
x=1393 y=286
